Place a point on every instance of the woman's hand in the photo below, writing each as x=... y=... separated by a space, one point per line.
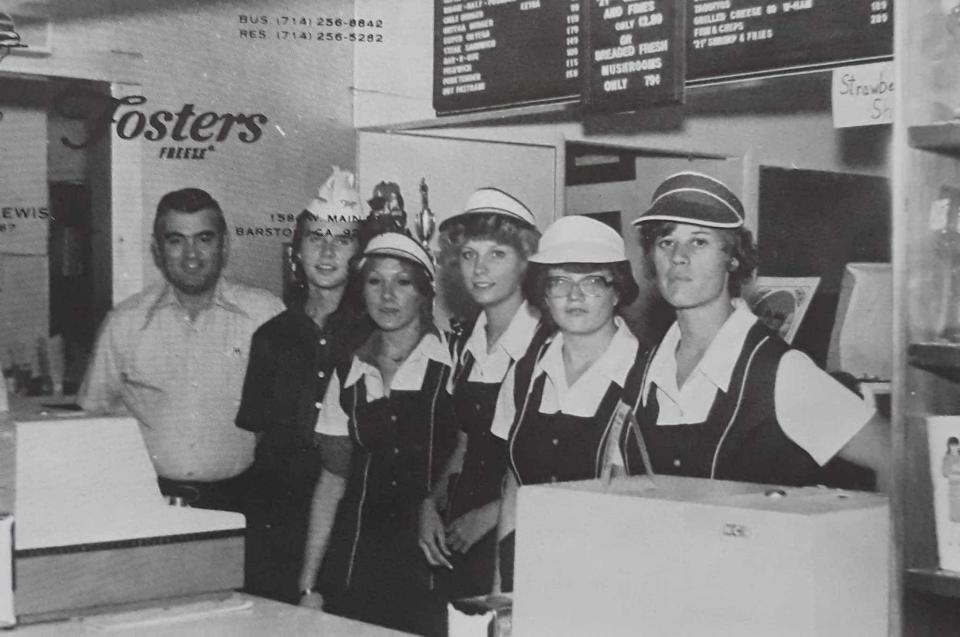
x=467 y=530
x=432 y=536
x=311 y=599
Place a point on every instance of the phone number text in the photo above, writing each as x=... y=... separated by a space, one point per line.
x=309 y=36
x=293 y=21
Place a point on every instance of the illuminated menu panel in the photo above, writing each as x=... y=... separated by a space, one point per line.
x=490 y=53
x=635 y=52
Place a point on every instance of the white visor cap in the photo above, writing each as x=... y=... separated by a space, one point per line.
x=401 y=246
x=580 y=239
x=497 y=202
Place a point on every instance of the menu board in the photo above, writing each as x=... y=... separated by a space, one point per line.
x=496 y=53
x=490 y=53
x=742 y=37
x=635 y=53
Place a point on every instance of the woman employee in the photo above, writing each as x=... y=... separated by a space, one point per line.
x=722 y=396
x=291 y=361
x=489 y=244
x=561 y=404
x=386 y=407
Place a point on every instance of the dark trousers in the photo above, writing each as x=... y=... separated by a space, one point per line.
x=277 y=517
x=223 y=495
x=276 y=534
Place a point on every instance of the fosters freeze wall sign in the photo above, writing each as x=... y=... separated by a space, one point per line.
x=495 y=53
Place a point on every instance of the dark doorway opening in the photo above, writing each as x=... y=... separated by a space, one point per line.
x=72 y=314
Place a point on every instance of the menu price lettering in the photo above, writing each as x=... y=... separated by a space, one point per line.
x=729 y=38
x=620 y=54
x=635 y=54
x=491 y=53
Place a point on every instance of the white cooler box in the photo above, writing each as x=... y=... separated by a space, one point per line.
x=688 y=557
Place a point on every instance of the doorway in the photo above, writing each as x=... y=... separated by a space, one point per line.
x=55 y=207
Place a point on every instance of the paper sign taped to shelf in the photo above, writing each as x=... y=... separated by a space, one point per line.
x=863 y=95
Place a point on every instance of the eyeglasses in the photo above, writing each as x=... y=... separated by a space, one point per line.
x=594 y=285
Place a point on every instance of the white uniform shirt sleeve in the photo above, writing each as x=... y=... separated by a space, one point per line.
x=506 y=409
x=814 y=409
x=332 y=420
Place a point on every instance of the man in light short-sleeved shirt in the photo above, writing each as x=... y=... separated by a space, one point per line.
x=175 y=354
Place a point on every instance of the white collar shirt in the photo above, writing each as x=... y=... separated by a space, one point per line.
x=332 y=419
x=813 y=409
x=492 y=363
x=583 y=397
x=408 y=377
x=691 y=403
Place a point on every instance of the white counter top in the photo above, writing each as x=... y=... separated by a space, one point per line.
x=240 y=615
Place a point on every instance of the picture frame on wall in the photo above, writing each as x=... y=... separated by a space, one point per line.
x=781 y=302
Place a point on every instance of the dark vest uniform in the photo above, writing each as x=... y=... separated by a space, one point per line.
x=741 y=438
x=484 y=465
x=553 y=447
x=373 y=568
x=556 y=447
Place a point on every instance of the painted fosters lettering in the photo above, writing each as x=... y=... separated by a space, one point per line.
x=101 y=111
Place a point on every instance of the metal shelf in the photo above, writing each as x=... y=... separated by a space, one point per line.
x=941 y=138
x=942 y=359
x=934 y=581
